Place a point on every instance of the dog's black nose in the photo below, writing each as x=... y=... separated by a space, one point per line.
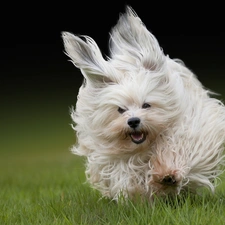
x=133 y=122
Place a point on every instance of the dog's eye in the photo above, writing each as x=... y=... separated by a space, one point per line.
x=120 y=110
x=146 y=105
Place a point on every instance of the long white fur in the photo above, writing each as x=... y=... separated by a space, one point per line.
x=183 y=122
x=193 y=152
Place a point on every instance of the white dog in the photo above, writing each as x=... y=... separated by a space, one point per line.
x=144 y=122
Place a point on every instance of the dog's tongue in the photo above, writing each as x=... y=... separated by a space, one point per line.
x=137 y=136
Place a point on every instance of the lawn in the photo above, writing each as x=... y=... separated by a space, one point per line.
x=49 y=189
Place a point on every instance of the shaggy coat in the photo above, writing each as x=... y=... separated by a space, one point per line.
x=144 y=122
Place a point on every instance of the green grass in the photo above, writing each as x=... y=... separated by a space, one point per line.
x=49 y=188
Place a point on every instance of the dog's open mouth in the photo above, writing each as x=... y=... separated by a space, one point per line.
x=138 y=137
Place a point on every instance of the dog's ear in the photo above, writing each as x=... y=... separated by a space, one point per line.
x=130 y=37
x=85 y=55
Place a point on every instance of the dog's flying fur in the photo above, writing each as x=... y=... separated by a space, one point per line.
x=143 y=120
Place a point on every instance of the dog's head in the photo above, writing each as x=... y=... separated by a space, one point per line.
x=126 y=100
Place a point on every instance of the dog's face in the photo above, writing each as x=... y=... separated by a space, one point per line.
x=131 y=112
x=123 y=104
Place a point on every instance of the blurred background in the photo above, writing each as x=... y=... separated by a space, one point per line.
x=38 y=84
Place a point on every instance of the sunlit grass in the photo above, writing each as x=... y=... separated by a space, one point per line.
x=50 y=188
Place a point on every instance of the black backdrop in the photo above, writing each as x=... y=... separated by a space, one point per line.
x=34 y=69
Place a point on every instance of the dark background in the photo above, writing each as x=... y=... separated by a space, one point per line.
x=38 y=84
